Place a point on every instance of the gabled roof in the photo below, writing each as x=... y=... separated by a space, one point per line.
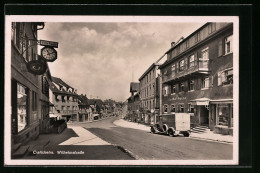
x=54 y=89
x=134 y=86
x=98 y=102
x=83 y=99
x=58 y=81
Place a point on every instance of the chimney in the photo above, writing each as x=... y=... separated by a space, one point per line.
x=172 y=44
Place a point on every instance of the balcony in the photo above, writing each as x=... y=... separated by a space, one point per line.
x=199 y=67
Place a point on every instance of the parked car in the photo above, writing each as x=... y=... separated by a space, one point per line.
x=172 y=124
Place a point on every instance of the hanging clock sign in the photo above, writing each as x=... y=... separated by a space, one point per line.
x=49 y=53
x=37 y=67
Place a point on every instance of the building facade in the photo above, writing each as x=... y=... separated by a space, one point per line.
x=133 y=103
x=65 y=100
x=149 y=92
x=26 y=88
x=197 y=77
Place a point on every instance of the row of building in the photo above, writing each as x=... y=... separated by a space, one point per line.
x=196 y=78
x=38 y=99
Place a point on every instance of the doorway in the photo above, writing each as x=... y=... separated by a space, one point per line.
x=204 y=115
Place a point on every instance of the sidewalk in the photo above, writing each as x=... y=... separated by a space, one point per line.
x=208 y=135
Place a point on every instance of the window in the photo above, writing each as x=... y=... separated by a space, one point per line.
x=63 y=108
x=68 y=107
x=153 y=90
x=228 y=44
x=191 y=85
x=225 y=114
x=191 y=61
x=181 y=64
x=56 y=97
x=211 y=27
x=165 y=90
x=172 y=108
x=181 y=108
x=191 y=108
x=22 y=102
x=165 y=108
x=173 y=89
x=63 y=98
x=205 y=54
x=173 y=68
x=187 y=44
x=181 y=87
x=225 y=77
x=205 y=82
x=197 y=36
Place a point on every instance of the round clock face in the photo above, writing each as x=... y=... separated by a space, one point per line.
x=49 y=54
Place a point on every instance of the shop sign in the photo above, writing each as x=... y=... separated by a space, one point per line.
x=37 y=67
x=49 y=43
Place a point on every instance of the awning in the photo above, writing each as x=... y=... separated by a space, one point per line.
x=200 y=101
x=221 y=101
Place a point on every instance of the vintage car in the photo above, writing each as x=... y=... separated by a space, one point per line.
x=172 y=124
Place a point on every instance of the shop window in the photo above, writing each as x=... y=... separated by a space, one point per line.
x=173 y=109
x=225 y=77
x=191 y=61
x=205 y=83
x=228 y=44
x=191 y=85
x=224 y=114
x=22 y=106
x=181 y=65
x=181 y=108
x=165 y=108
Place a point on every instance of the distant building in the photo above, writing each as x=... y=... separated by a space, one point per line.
x=64 y=99
x=134 y=103
x=96 y=105
x=197 y=77
x=149 y=92
x=85 y=112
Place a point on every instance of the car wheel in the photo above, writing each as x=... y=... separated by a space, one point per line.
x=171 y=133
x=186 y=134
x=152 y=130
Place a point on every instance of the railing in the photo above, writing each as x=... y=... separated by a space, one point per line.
x=199 y=66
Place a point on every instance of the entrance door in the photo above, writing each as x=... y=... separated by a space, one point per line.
x=204 y=116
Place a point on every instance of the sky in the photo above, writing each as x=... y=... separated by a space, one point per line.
x=101 y=59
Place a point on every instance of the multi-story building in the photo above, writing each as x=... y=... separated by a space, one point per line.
x=197 y=77
x=149 y=92
x=85 y=112
x=65 y=100
x=26 y=88
x=133 y=112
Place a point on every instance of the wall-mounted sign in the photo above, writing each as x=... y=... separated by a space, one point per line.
x=49 y=43
x=49 y=53
x=37 y=67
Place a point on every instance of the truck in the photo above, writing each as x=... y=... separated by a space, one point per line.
x=172 y=124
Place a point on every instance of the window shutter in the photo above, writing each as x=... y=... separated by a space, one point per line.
x=195 y=58
x=199 y=83
x=220 y=48
x=219 y=79
x=186 y=86
x=210 y=81
x=186 y=63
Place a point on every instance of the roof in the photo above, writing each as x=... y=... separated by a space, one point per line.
x=60 y=82
x=149 y=69
x=134 y=86
x=54 y=89
x=83 y=99
x=98 y=102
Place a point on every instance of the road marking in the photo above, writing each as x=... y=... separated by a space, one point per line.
x=84 y=138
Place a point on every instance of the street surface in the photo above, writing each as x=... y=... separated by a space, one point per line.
x=103 y=140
